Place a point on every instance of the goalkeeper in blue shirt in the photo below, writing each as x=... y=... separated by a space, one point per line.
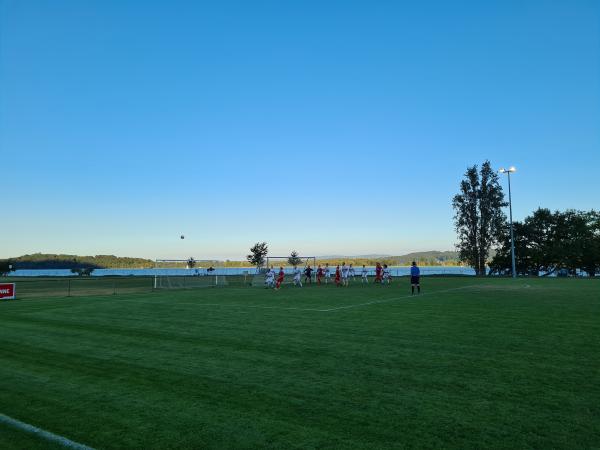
x=415 y=274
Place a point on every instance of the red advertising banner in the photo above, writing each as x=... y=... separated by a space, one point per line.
x=7 y=291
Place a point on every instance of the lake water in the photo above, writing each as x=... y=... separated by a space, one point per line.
x=396 y=271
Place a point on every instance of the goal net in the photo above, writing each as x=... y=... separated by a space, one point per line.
x=285 y=262
x=185 y=274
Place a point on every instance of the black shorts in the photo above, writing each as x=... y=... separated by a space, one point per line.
x=414 y=280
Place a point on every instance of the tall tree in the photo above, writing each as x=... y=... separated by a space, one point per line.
x=293 y=259
x=257 y=255
x=541 y=241
x=478 y=218
x=580 y=241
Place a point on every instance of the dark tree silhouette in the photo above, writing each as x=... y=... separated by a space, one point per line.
x=257 y=254
x=294 y=260
x=478 y=215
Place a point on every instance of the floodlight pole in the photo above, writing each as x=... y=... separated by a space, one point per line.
x=512 y=236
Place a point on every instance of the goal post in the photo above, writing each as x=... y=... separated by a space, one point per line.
x=185 y=274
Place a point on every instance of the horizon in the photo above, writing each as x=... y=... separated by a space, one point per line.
x=326 y=128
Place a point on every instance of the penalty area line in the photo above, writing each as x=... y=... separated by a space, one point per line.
x=397 y=298
x=385 y=300
x=48 y=436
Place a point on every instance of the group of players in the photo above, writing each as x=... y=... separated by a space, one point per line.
x=383 y=275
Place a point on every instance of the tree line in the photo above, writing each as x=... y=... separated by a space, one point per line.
x=549 y=242
x=62 y=261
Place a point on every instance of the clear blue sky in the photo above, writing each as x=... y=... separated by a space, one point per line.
x=329 y=127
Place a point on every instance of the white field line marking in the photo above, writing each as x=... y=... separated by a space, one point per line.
x=398 y=298
x=385 y=300
x=42 y=433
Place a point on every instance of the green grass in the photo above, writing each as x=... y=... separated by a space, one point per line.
x=44 y=287
x=496 y=363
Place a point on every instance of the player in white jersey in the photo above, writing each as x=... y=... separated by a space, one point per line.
x=387 y=274
x=351 y=272
x=364 y=272
x=344 y=274
x=297 y=277
x=270 y=278
x=327 y=273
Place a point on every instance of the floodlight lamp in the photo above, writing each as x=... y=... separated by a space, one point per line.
x=502 y=170
x=512 y=169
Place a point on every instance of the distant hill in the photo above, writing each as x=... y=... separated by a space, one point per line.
x=54 y=261
x=434 y=255
x=430 y=258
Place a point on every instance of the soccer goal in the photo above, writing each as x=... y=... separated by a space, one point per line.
x=185 y=274
x=302 y=262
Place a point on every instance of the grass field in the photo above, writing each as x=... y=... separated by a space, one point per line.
x=471 y=363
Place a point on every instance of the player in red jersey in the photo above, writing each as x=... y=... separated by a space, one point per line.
x=280 y=278
x=319 y=274
x=338 y=275
x=378 y=273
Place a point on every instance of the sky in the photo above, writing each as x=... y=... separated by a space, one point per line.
x=326 y=127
